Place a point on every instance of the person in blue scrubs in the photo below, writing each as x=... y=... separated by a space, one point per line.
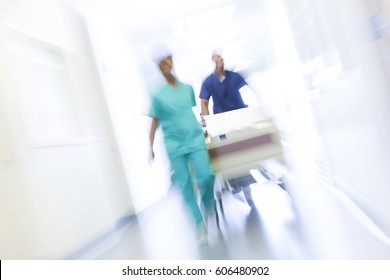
x=185 y=143
x=224 y=87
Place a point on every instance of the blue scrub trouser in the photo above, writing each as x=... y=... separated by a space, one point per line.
x=194 y=167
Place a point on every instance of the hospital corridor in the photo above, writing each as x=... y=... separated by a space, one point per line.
x=302 y=171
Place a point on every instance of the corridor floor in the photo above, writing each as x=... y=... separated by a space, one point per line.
x=256 y=223
x=309 y=219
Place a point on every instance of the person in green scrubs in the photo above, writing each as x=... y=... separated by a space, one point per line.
x=184 y=139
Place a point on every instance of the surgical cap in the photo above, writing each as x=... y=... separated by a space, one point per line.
x=160 y=52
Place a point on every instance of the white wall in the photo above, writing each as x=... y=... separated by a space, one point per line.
x=62 y=183
x=348 y=109
x=126 y=91
x=353 y=113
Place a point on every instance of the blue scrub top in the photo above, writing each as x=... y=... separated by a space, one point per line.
x=173 y=109
x=226 y=95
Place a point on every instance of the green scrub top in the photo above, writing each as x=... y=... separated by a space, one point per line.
x=172 y=107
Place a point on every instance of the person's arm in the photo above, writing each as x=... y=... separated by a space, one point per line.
x=204 y=97
x=152 y=133
x=205 y=107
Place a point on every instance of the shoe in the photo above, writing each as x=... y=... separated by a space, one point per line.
x=202 y=237
x=213 y=229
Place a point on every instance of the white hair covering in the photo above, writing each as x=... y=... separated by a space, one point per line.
x=159 y=52
x=216 y=51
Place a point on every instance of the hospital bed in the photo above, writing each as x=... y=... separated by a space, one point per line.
x=239 y=141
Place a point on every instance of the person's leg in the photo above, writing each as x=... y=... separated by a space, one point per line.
x=182 y=179
x=204 y=177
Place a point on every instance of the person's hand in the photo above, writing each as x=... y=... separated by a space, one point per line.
x=151 y=156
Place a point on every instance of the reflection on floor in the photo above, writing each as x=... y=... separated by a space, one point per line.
x=263 y=221
x=256 y=223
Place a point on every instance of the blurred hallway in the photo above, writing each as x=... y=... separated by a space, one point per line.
x=76 y=80
x=261 y=222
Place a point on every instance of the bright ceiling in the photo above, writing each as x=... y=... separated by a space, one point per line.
x=194 y=27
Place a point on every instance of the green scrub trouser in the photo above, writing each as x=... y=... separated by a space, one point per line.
x=194 y=167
